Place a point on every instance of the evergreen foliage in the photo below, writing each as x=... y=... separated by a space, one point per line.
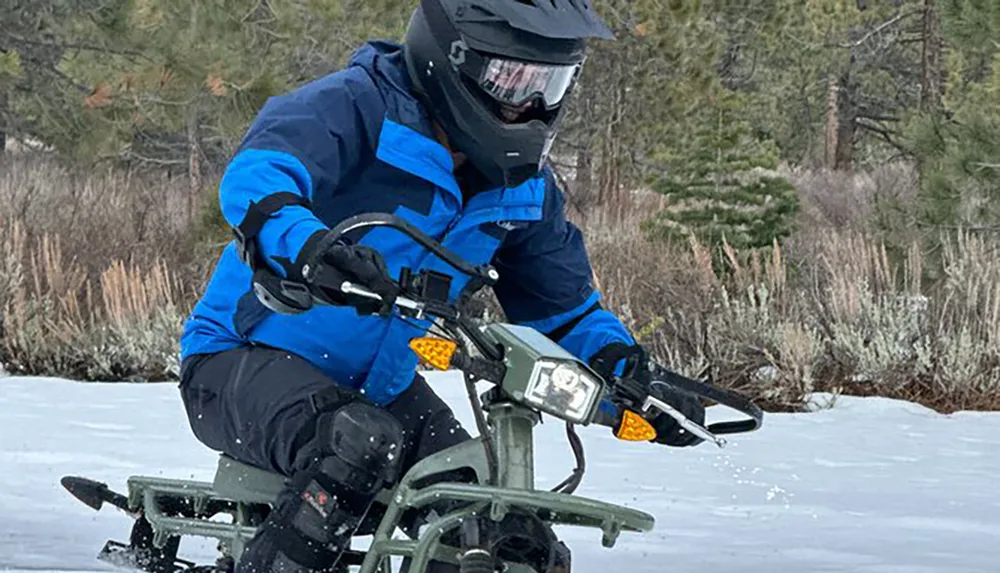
x=956 y=144
x=839 y=84
x=722 y=188
x=175 y=83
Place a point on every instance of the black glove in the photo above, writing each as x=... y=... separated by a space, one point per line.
x=668 y=431
x=325 y=272
x=638 y=382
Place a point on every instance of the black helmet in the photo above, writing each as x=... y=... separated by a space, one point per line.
x=474 y=61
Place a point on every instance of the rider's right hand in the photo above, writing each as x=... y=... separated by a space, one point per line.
x=638 y=378
x=358 y=264
x=668 y=431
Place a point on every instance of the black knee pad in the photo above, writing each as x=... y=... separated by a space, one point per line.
x=355 y=452
x=360 y=445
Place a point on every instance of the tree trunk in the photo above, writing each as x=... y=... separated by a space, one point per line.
x=930 y=71
x=584 y=179
x=845 y=139
x=4 y=119
x=841 y=124
x=607 y=188
x=847 y=117
x=194 y=164
x=832 y=123
x=604 y=189
x=612 y=199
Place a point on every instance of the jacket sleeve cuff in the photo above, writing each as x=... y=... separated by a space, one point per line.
x=285 y=236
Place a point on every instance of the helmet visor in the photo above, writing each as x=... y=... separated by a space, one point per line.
x=513 y=82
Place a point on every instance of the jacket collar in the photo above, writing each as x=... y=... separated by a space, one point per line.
x=407 y=138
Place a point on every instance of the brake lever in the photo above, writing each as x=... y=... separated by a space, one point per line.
x=630 y=393
x=347 y=287
x=685 y=422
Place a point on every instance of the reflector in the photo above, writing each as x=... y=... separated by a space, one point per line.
x=634 y=428
x=436 y=352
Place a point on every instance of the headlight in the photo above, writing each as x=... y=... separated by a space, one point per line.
x=562 y=389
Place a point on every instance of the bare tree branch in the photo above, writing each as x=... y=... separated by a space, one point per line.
x=885 y=134
x=131 y=155
x=72 y=46
x=877 y=29
x=876 y=116
x=982 y=166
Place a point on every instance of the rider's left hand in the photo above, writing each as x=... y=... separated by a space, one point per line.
x=637 y=368
x=342 y=262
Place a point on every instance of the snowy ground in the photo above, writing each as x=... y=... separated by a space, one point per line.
x=872 y=486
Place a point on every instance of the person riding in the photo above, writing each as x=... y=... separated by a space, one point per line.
x=449 y=130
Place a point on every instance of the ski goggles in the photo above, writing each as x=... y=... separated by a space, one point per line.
x=514 y=82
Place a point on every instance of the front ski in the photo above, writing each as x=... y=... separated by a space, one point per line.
x=94 y=494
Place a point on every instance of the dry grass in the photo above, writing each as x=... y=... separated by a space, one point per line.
x=97 y=216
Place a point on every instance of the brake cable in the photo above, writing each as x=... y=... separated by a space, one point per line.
x=572 y=482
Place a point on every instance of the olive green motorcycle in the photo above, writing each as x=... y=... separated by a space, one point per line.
x=495 y=519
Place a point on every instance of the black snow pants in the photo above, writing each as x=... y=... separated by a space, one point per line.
x=258 y=405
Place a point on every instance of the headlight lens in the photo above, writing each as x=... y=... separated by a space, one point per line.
x=562 y=389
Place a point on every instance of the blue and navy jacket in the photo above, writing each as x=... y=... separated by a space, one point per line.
x=357 y=141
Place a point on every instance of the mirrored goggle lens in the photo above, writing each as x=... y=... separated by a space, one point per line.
x=514 y=83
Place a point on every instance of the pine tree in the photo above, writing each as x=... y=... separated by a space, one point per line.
x=956 y=144
x=826 y=81
x=36 y=96
x=175 y=83
x=634 y=90
x=720 y=186
x=10 y=73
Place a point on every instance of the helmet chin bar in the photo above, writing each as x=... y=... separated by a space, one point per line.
x=506 y=154
x=517 y=175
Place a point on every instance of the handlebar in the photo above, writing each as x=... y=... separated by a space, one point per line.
x=710 y=433
x=487 y=276
x=485 y=273
x=729 y=399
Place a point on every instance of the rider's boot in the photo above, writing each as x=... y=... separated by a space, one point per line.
x=353 y=455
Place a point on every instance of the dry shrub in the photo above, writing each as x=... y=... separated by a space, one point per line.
x=97 y=271
x=740 y=328
x=125 y=326
x=856 y=199
x=831 y=310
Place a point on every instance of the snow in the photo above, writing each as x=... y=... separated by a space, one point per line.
x=870 y=485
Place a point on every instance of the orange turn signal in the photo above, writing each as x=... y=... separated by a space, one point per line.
x=436 y=352
x=634 y=428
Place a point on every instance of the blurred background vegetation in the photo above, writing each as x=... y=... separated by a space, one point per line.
x=783 y=195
